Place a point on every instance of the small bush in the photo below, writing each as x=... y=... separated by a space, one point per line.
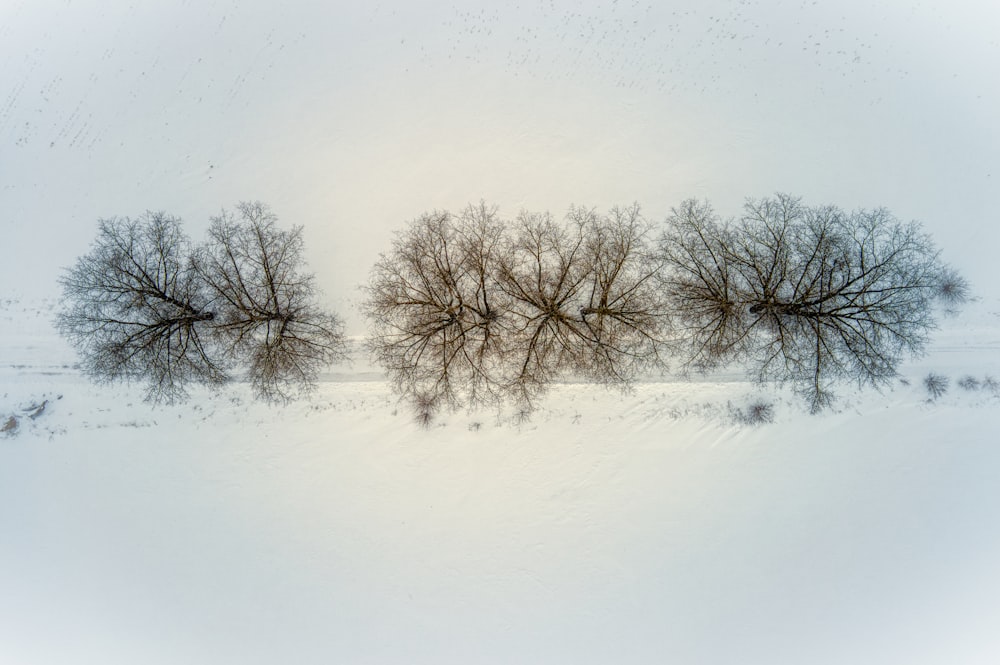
x=936 y=385
x=969 y=382
x=425 y=407
x=991 y=384
x=952 y=290
x=522 y=416
x=758 y=412
x=10 y=426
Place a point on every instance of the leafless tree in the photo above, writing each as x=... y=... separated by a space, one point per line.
x=142 y=306
x=700 y=285
x=622 y=304
x=545 y=277
x=266 y=311
x=804 y=294
x=135 y=310
x=437 y=316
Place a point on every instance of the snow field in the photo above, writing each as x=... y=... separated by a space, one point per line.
x=644 y=527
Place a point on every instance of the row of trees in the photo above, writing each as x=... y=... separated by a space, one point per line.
x=472 y=309
x=146 y=305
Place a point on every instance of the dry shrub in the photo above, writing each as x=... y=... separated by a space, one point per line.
x=936 y=385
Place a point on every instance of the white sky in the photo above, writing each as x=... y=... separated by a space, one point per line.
x=352 y=119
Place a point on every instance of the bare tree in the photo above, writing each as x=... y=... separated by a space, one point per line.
x=135 y=310
x=545 y=277
x=142 y=306
x=807 y=295
x=700 y=285
x=622 y=306
x=437 y=317
x=266 y=311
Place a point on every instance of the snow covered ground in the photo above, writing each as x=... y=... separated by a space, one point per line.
x=649 y=527
x=640 y=528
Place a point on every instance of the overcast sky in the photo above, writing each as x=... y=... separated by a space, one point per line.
x=352 y=118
